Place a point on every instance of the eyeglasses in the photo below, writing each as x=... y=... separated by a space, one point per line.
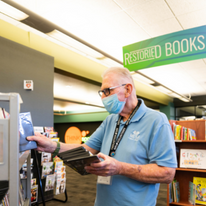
x=107 y=90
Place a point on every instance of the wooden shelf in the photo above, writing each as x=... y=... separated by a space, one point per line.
x=190 y=141
x=190 y=170
x=185 y=175
x=182 y=203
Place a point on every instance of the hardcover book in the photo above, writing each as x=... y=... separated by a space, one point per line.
x=200 y=195
x=78 y=158
x=192 y=190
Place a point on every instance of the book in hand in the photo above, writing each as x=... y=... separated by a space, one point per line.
x=78 y=158
x=25 y=130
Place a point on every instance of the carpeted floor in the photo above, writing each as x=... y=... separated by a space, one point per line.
x=81 y=191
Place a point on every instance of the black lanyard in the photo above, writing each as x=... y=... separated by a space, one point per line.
x=115 y=143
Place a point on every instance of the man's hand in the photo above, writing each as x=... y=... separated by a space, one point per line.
x=44 y=144
x=108 y=167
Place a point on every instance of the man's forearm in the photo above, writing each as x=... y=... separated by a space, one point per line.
x=64 y=147
x=150 y=173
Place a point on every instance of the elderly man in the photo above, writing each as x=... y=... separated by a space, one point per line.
x=135 y=144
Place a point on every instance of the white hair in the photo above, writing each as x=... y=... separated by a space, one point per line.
x=123 y=74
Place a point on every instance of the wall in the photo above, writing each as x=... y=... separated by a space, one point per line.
x=61 y=128
x=72 y=62
x=18 y=63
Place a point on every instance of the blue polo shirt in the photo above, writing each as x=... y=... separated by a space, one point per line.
x=148 y=139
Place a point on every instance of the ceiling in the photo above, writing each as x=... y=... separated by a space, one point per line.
x=111 y=24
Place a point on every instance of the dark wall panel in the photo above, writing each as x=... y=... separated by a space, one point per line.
x=18 y=63
x=61 y=128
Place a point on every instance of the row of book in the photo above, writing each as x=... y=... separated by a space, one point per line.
x=197 y=191
x=183 y=133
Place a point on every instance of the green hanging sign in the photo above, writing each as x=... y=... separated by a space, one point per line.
x=171 y=48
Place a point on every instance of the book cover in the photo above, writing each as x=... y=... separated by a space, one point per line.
x=177 y=191
x=60 y=186
x=174 y=191
x=25 y=130
x=191 y=197
x=34 y=194
x=170 y=193
x=177 y=132
x=46 y=157
x=50 y=179
x=78 y=158
x=192 y=158
x=47 y=169
x=192 y=134
x=200 y=194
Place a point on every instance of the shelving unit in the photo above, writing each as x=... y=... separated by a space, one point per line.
x=11 y=160
x=184 y=175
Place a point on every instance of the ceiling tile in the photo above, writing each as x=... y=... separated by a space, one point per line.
x=186 y=6
x=150 y=12
x=130 y=3
x=193 y=19
x=163 y=27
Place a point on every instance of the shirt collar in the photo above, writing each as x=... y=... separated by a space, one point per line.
x=139 y=114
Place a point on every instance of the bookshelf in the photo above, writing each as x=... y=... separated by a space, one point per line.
x=184 y=175
x=11 y=160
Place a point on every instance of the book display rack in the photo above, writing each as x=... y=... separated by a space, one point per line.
x=185 y=174
x=11 y=160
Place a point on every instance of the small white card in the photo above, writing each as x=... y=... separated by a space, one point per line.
x=104 y=180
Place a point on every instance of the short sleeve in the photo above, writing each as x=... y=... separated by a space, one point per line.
x=95 y=141
x=162 y=148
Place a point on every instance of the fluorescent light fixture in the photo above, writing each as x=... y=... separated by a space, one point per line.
x=184 y=99
x=165 y=90
x=109 y=62
x=141 y=78
x=12 y=12
x=74 y=44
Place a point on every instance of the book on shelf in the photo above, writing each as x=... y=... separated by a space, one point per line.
x=176 y=191
x=200 y=194
x=171 y=195
x=34 y=193
x=192 y=158
x=50 y=180
x=183 y=133
x=192 y=191
x=25 y=130
x=47 y=169
x=78 y=158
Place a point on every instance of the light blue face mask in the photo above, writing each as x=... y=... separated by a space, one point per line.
x=112 y=104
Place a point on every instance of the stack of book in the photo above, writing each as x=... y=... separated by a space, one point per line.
x=78 y=158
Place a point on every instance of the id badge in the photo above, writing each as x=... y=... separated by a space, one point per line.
x=104 y=180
